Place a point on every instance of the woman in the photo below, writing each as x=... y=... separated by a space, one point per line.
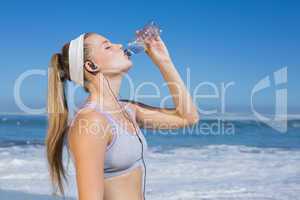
x=102 y=136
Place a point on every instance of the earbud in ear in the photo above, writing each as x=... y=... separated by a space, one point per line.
x=93 y=66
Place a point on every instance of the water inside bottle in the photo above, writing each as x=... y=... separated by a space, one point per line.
x=136 y=46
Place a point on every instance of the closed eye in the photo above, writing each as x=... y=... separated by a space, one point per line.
x=107 y=47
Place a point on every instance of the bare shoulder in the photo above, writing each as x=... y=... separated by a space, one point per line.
x=90 y=129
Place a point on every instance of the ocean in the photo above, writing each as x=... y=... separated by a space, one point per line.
x=215 y=159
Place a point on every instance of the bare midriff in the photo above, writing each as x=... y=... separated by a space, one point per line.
x=127 y=186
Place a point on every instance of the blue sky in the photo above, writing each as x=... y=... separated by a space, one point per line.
x=219 y=41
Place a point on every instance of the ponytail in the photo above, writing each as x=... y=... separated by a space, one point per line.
x=57 y=109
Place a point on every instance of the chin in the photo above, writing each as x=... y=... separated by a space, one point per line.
x=128 y=64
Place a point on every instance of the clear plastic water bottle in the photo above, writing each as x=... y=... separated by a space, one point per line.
x=150 y=30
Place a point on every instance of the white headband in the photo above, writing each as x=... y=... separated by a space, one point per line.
x=76 y=59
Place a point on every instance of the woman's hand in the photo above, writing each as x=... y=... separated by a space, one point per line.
x=157 y=51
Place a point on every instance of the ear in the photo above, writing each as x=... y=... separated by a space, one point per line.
x=91 y=67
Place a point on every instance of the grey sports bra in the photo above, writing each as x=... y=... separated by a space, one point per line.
x=124 y=152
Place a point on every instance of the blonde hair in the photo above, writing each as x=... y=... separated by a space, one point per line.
x=57 y=109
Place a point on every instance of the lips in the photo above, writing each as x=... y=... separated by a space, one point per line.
x=125 y=54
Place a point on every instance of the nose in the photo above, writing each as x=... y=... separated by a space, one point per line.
x=120 y=46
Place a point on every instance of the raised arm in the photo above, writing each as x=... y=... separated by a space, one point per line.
x=88 y=145
x=185 y=111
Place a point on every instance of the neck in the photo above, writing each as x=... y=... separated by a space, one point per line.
x=105 y=92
